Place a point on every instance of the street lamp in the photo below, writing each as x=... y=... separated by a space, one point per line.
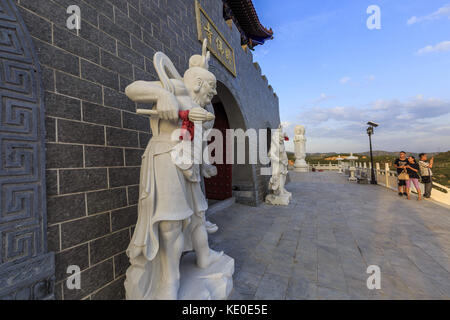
x=370 y=131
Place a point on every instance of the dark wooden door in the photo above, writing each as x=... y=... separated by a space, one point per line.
x=219 y=187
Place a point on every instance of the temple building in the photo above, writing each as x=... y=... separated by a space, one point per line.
x=71 y=141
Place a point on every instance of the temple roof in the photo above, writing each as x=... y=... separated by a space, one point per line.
x=246 y=20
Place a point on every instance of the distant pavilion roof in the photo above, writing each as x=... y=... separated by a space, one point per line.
x=246 y=19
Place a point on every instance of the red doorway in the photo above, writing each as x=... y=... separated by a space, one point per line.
x=220 y=186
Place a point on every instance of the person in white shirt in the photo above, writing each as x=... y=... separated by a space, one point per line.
x=426 y=173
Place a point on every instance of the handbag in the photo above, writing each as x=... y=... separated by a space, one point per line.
x=426 y=179
x=403 y=175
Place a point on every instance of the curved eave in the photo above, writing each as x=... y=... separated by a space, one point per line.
x=245 y=13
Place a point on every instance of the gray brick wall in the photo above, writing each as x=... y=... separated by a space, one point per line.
x=95 y=139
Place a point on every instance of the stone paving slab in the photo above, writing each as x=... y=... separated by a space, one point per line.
x=320 y=246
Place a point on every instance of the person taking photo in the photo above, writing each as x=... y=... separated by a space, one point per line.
x=426 y=173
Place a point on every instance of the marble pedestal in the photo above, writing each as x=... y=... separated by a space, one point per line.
x=281 y=200
x=352 y=177
x=301 y=166
x=212 y=283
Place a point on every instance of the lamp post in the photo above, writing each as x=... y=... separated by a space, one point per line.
x=370 y=131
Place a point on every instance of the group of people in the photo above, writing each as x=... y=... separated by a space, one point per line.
x=411 y=171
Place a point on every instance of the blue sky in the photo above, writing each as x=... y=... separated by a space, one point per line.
x=333 y=74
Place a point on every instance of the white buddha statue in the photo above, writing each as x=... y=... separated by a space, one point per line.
x=300 y=164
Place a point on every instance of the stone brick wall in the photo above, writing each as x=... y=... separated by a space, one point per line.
x=95 y=139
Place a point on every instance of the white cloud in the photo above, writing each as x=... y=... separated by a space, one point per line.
x=285 y=124
x=443 y=12
x=412 y=20
x=344 y=80
x=323 y=97
x=440 y=47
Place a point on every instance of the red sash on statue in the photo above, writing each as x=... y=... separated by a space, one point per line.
x=187 y=126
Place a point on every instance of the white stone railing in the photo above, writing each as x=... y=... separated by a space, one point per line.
x=388 y=179
x=324 y=166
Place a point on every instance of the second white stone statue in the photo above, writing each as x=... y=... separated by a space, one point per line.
x=278 y=158
x=300 y=164
x=172 y=206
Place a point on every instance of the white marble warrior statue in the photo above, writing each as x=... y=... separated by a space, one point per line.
x=300 y=164
x=279 y=162
x=172 y=206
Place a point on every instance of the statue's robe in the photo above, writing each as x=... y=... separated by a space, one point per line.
x=167 y=192
x=279 y=162
x=299 y=145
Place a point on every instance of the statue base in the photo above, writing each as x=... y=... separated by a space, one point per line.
x=212 y=283
x=352 y=177
x=301 y=169
x=281 y=200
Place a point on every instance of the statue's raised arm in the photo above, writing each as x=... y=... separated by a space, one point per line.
x=152 y=92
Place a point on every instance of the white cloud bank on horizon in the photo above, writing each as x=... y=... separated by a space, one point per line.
x=440 y=47
x=416 y=125
x=443 y=12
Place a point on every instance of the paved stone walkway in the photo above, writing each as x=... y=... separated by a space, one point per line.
x=320 y=246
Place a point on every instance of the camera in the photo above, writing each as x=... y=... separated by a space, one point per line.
x=373 y=124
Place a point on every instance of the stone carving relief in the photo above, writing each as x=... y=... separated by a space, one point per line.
x=26 y=268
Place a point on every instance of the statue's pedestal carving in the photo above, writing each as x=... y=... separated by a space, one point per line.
x=212 y=283
x=280 y=200
x=301 y=166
